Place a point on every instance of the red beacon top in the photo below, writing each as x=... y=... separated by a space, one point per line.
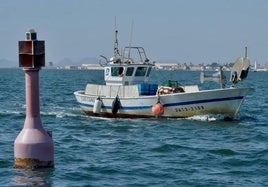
x=31 y=51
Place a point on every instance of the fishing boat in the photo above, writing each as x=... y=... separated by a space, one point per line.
x=127 y=92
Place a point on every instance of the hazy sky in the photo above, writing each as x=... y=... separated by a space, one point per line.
x=196 y=31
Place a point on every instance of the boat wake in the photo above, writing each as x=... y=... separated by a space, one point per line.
x=61 y=112
x=204 y=118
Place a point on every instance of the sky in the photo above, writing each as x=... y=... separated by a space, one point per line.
x=185 y=31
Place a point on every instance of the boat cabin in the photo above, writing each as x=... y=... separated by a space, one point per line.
x=124 y=71
x=126 y=74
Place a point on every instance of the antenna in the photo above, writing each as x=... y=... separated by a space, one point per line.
x=115 y=23
x=131 y=33
x=130 y=39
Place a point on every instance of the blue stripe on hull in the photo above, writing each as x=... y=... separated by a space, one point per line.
x=172 y=104
x=204 y=101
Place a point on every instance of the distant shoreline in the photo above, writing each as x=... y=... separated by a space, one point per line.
x=157 y=68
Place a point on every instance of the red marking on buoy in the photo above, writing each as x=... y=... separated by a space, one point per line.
x=33 y=147
x=158 y=109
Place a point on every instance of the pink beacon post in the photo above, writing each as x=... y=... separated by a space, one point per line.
x=33 y=147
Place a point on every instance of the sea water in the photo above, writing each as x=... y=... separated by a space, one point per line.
x=89 y=151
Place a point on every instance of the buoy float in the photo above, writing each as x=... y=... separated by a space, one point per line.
x=158 y=109
x=116 y=105
x=97 y=106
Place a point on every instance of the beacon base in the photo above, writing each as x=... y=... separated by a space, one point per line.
x=30 y=163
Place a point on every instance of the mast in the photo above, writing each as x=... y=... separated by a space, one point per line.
x=116 y=50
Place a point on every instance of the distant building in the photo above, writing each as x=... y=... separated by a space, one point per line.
x=91 y=66
x=70 y=67
x=166 y=66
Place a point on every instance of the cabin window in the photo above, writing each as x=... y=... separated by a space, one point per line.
x=117 y=71
x=140 y=71
x=149 y=71
x=130 y=71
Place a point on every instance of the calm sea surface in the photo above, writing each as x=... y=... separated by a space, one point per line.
x=200 y=151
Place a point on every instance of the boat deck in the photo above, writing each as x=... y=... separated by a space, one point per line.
x=129 y=91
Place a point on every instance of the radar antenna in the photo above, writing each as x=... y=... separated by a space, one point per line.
x=240 y=69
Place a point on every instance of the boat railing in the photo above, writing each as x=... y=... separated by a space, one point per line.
x=139 y=55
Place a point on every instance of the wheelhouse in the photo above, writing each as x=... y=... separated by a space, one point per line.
x=127 y=74
x=132 y=67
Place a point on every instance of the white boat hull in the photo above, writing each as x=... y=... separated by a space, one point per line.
x=178 y=105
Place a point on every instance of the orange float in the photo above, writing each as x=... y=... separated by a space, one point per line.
x=158 y=109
